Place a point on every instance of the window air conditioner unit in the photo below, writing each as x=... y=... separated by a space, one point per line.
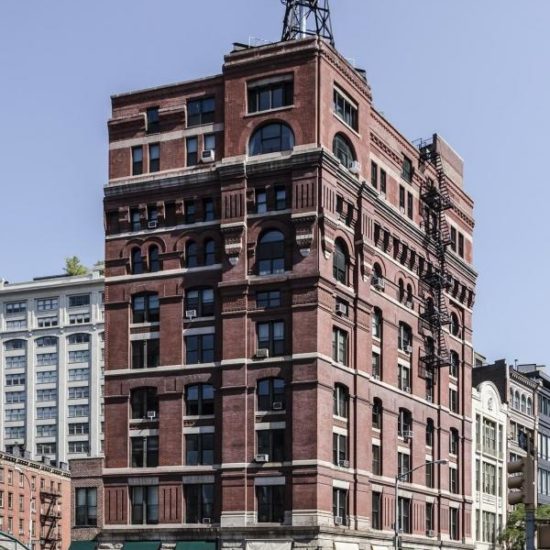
x=152 y=224
x=262 y=353
x=207 y=521
x=429 y=398
x=341 y=309
x=376 y=377
x=277 y=406
x=379 y=283
x=407 y=434
x=408 y=348
x=430 y=533
x=190 y=313
x=262 y=458
x=207 y=156
x=343 y=463
x=355 y=167
x=338 y=520
x=151 y=415
x=407 y=389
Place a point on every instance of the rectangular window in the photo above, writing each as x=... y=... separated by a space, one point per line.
x=280 y=198
x=199 y=449
x=340 y=450
x=78 y=428
x=79 y=447
x=192 y=147
x=190 y=211
x=340 y=506
x=404 y=466
x=78 y=392
x=376 y=519
x=267 y=299
x=429 y=473
x=272 y=444
x=376 y=366
x=46 y=430
x=14 y=432
x=154 y=157
x=453 y=480
x=146 y=353
x=145 y=452
x=453 y=523
x=210 y=142
x=47 y=304
x=430 y=525
x=261 y=201
x=135 y=219
x=345 y=110
x=453 y=400
x=46 y=322
x=16 y=324
x=46 y=448
x=77 y=375
x=78 y=410
x=79 y=356
x=374 y=174
x=200 y=111
x=145 y=308
x=404 y=508
x=46 y=395
x=407 y=171
x=340 y=346
x=270 y=503
x=86 y=507
x=404 y=381
x=15 y=379
x=402 y=198
x=410 y=210
x=199 y=502
x=453 y=239
x=383 y=178
x=264 y=96
x=144 y=501
x=271 y=336
x=153 y=120
x=13 y=308
x=14 y=414
x=79 y=300
x=208 y=210
x=137 y=160
x=199 y=349
x=461 y=245
x=376 y=460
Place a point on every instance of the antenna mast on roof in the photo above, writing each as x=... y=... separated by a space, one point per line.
x=307 y=18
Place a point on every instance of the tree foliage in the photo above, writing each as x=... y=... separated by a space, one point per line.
x=513 y=535
x=74 y=267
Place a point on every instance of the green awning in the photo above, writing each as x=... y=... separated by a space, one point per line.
x=83 y=545
x=196 y=545
x=145 y=545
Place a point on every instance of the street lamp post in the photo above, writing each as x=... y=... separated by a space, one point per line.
x=398 y=478
x=21 y=471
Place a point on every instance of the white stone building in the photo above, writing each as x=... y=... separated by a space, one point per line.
x=489 y=435
x=51 y=364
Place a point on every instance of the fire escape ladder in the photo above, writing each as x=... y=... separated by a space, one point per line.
x=49 y=520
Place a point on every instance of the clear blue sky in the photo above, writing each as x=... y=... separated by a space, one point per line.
x=476 y=72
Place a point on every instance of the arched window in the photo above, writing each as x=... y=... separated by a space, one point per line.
x=529 y=406
x=154 y=261
x=46 y=342
x=271 y=138
x=340 y=262
x=209 y=252
x=455 y=325
x=271 y=253
x=343 y=150
x=191 y=255
x=271 y=394
x=523 y=404
x=401 y=285
x=12 y=345
x=144 y=403
x=516 y=401
x=454 y=364
x=430 y=432
x=199 y=302
x=404 y=424
x=145 y=308
x=377 y=323
x=377 y=413
x=199 y=400
x=341 y=400
x=137 y=261
x=405 y=337
x=377 y=279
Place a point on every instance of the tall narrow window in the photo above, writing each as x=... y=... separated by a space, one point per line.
x=154 y=261
x=208 y=210
x=199 y=502
x=383 y=178
x=209 y=252
x=341 y=400
x=271 y=336
x=342 y=149
x=340 y=506
x=191 y=254
x=270 y=503
x=271 y=394
x=374 y=174
x=144 y=502
x=376 y=519
x=345 y=109
x=190 y=211
x=145 y=308
x=271 y=258
x=137 y=261
x=137 y=160
x=154 y=157
x=410 y=210
x=377 y=414
x=340 y=263
x=377 y=323
x=135 y=219
x=407 y=170
x=199 y=399
x=192 y=147
x=339 y=346
x=152 y=120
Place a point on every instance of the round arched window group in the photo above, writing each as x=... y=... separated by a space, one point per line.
x=271 y=138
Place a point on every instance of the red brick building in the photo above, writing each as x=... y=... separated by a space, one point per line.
x=276 y=346
x=35 y=504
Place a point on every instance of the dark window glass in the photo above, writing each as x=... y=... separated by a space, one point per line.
x=270 y=503
x=208 y=210
x=383 y=178
x=137 y=160
x=271 y=336
x=79 y=300
x=376 y=519
x=199 y=502
x=199 y=449
x=190 y=211
x=199 y=400
x=430 y=432
x=200 y=111
x=261 y=201
x=340 y=450
x=145 y=353
x=271 y=138
x=135 y=221
x=340 y=401
x=272 y=444
x=407 y=171
x=144 y=502
x=199 y=349
x=200 y=301
x=343 y=150
x=271 y=256
x=271 y=394
x=402 y=198
x=340 y=263
x=345 y=110
x=374 y=174
x=145 y=452
x=340 y=346
x=192 y=147
x=377 y=414
x=340 y=505
x=154 y=261
x=152 y=120
x=461 y=245
x=154 y=157
x=376 y=460
x=144 y=401
x=270 y=298
x=86 y=507
x=209 y=252
x=209 y=143
x=191 y=254
x=410 y=210
x=269 y=96
x=280 y=198
x=137 y=261
x=145 y=308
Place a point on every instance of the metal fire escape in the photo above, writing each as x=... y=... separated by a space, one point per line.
x=307 y=18
x=435 y=279
x=50 y=536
